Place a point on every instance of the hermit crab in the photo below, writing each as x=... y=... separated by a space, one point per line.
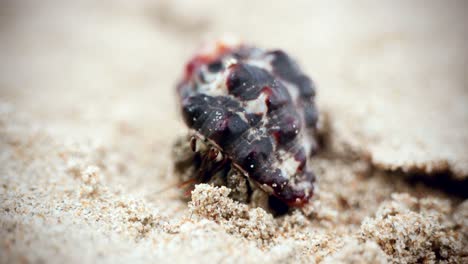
x=252 y=123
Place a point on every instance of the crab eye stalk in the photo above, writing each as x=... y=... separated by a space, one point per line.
x=215 y=155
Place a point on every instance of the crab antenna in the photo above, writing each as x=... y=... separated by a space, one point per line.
x=179 y=185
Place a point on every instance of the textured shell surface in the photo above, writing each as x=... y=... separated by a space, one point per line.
x=258 y=108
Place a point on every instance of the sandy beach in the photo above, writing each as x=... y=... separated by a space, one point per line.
x=89 y=116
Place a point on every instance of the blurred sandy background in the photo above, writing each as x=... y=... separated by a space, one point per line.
x=88 y=116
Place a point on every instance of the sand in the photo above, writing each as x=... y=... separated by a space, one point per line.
x=88 y=117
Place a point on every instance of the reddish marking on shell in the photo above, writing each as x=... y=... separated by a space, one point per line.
x=192 y=65
x=267 y=90
x=205 y=58
x=277 y=135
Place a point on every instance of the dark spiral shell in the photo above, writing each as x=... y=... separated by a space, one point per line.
x=258 y=107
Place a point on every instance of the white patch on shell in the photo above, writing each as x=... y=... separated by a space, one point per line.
x=257 y=106
x=215 y=85
x=254 y=134
x=306 y=143
x=287 y=164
